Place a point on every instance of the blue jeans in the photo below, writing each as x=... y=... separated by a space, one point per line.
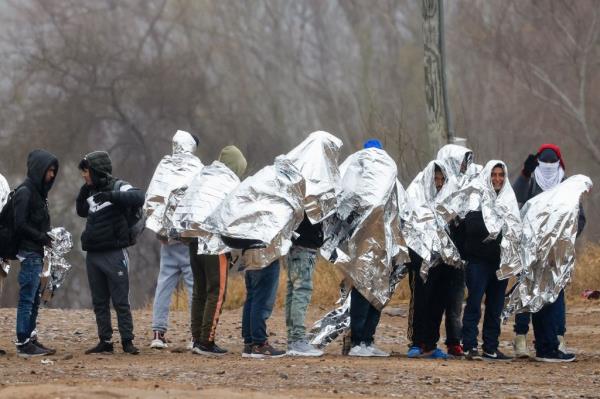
x=261 y=291
x=174 y=262
x=480 y=278
x=29 y=295
x=522 y=320
x=547 y=324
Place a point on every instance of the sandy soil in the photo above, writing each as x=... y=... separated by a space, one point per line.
x=176 y=373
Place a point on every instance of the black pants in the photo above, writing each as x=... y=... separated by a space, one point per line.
x=549 y=322
x=442 y=293
x=210 y=286
x=108 y=276
x=364 y=319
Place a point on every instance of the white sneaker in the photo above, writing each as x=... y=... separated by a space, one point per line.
x=159 y=341
x=190 y=345
x=360 y=350
x=375 y=351
x=520 y=346
x=562 y=345
x=303 y=348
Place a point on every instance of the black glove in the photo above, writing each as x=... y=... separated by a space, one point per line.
x=529 y=166
x=104 y=196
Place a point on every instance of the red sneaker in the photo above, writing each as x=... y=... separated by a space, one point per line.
x=455 y=350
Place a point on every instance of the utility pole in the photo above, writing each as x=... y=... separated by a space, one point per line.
x=439 y=125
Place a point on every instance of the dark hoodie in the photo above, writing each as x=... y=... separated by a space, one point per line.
x=32 y=219
x=106 y=227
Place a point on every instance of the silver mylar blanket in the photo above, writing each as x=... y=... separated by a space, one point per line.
x=55 y=267
x=363 y=238
x=267 y=207
x=205 y=192
x=317 y=160
x=500 y=212
x=548 y=246
x=172 y=175
x=4 y=192
x=453 y=156
x=424 y=230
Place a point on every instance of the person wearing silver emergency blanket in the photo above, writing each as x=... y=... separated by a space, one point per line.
x=550 y=225
x=173 y=174
x=459 y=162
x=210 y=268
x=428 y=241
x=542 y=172
x=490 y=232
x=317 y=160
x=259 y=217
x=366 y=239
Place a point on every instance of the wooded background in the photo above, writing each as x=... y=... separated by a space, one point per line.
x=123 y=76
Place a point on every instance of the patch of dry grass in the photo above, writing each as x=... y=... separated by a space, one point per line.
x=587 y=271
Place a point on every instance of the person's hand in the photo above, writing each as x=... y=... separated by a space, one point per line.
x=104 y=196
x=529 y=166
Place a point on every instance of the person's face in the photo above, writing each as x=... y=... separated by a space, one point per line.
x=50 y=174
x=439 y=180
x=85 y=173
x=498 y=177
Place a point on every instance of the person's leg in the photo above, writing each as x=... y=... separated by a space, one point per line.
x=521 y=326
x=199 y=292
x=29 y=283
x=168 y=277
x=359 y=311
x=475 y=280
x=560 y=315
x=250 y=279
x=215 y=272
x=371 y=323
x=417 y=312
x=263 y=301
x=301 y=265
x=544 y=329
x=436 y=294
x=116 y=268
x=494 y=303
x=455 y=296
x=98 y=282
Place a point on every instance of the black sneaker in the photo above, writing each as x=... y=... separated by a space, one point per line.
x=37 y=343
x=210 y=349
x=247 y=352
x=2 y=352
x=263 y=351
x=496 y=355
x=102 y=347
x=556 y=357
x=473 y=354
x=28 y=349
x=128 y=347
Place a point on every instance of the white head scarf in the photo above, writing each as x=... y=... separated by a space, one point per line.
x=548 y=175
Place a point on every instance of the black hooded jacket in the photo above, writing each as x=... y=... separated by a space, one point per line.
x=32 y=219
x=106 y=227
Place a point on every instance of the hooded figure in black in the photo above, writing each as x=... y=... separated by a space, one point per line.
x=105 y=202
x=32 y=223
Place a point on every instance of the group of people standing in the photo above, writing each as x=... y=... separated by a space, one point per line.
x=107 y=204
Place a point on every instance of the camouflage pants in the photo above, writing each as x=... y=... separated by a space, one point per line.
x=300 y=268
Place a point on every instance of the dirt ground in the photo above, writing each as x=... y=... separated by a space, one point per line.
x=176 y=373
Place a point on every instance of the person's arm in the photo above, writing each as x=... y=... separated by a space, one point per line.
x=521 y=185
x=22 y=225
x=81 y=204
x=134 y=198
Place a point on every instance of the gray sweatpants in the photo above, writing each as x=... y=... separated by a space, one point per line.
x=108 y=276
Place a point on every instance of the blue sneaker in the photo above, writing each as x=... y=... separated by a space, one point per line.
x=437 y=353
x=414 y=352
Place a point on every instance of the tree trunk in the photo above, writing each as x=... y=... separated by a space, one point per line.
x=435 y=98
